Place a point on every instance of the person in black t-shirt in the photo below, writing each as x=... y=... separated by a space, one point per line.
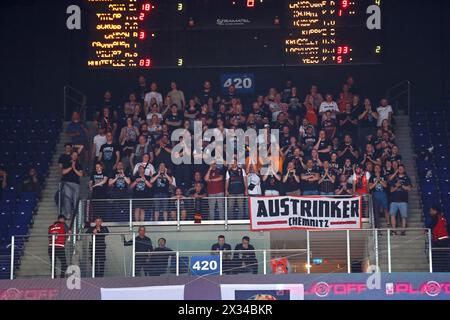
x=400 y=186
x=173 y=119
x=323 y=146
x=348 y=150
x=160 y=257
x=291 y=181
x=244 y=257
x=71 y=173
x=141 y=190
x=348 y=121
x=97 y=182
x=378 y=184
x=109 y=154
x=327 y=180
x=272 y=183
x=161 y=182
x=119 y=181
x=100 y=233
x=344 y=188
x=310 y=178
x=98 y=186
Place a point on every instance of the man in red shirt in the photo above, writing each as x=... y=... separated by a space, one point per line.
x=59 y=232
x=440 y=240
x=216 y=190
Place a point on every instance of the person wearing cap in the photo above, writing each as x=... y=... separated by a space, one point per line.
x=58 y=233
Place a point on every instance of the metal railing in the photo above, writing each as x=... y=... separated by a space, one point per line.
x=126 y=255
x=401 y=90
x=179 y=212
x=74 y=99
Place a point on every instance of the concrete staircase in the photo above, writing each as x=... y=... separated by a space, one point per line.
x=35 y=261
x=408 y=253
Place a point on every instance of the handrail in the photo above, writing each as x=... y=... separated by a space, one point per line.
x=259 y=261
x=106 y=208
x=407 y=91
x=81 y=103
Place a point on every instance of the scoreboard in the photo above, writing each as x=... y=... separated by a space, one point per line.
x=207 y=33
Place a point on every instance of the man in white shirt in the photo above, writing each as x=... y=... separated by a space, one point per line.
x=99 y=140
x=385 y=112
x=329 y=105
x=153 y=94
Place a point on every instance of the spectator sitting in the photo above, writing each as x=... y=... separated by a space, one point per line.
x=31 y=183
x=244 y=257
x=225 y=248
x=160 y=258
x=146 y=163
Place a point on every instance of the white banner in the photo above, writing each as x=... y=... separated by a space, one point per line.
x=262 y=291
x=144 y=293
x=307 y=213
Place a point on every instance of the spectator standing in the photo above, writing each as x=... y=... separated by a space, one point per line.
x=99 y=232
x=367 y=121
x=141 y=190
x=236 y=187
x=31 y=183
x=254 y=181
x=440 y=240
x=161 y=182
x=146 y=163
x=328 y=105
x=310 y=179
x=360 y=181
x=143 y=248
x=176 y=96
x=109 y=154
x=160 y=258
x=153 y=95
x=77 y=132
x=59 y=231
x=141 y=149
x=400 y=186
x=291 y=181
x=272 y=182
x=71 y=174
x=314 y=99
x=327 y=180
x=378 y=184
x=215 y=185
x=119 y=182
x=244 y=257
x=141 y=89
x=344 y=188
x=98 y=142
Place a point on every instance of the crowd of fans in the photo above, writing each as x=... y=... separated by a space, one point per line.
x=329 y=145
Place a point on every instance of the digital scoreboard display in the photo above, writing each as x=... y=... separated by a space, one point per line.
x=208 y=33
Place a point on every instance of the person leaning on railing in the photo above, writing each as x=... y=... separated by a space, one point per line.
x=100 y=246
x=143 y=247
x=221 y=245
x=58 y=233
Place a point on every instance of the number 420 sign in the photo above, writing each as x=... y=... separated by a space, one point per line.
x=243 y=82
x=205 y=265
